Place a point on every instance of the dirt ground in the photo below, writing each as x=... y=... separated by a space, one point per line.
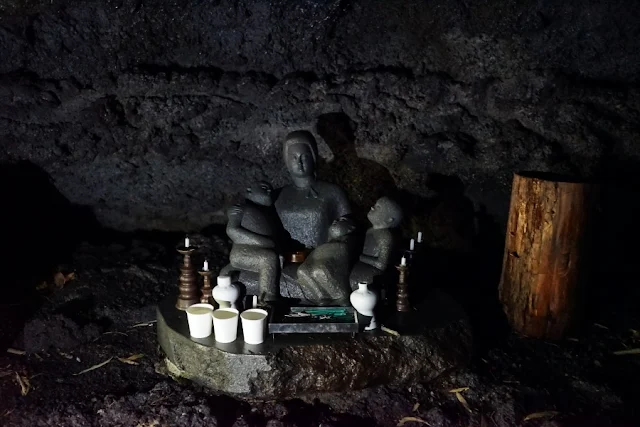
x=102 y=310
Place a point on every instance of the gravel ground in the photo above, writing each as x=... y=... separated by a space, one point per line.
x=104 y=311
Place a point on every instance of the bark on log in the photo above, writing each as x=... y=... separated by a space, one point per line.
x=545 y=254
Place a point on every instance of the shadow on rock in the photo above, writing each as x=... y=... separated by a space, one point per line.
x=40 y=228
x=300 y=412
x=462 y=256
x=365 y=181
x=233 y=408
x=613 y=293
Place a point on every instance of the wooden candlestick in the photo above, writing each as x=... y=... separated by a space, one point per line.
x=188 y=290
x=206 y=286
x=402 y=297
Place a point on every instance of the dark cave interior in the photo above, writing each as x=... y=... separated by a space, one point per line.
x=125 y=124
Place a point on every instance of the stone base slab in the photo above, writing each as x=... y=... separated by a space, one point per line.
x=434 y=339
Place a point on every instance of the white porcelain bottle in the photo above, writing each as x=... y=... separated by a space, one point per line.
x=364 y=301
x=225 y=293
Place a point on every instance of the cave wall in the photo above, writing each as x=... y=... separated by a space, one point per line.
x=155 y=114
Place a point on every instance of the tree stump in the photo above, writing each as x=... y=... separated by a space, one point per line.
x=545 y=254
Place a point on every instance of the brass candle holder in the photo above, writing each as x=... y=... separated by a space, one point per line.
x=402 y=296
x=188 y=290
x=206 y=286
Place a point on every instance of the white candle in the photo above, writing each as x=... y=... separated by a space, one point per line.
x=419 y=236
x=186 y=242
x=403 y=261
x=254 y=300
x=412 y=244
x=206 y=266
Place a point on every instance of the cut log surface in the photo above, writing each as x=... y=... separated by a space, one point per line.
x=544 y=259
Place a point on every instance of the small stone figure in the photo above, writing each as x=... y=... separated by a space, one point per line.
x=308 y=207
x=324 y=275
x=256 y=231
x=379 y=242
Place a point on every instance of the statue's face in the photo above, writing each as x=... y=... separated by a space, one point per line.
x=260 y=193
x=377 y=215
x=300 y=161
x=341 y=227
x=382 y=214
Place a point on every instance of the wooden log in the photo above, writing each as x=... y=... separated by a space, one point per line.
x=545 y=254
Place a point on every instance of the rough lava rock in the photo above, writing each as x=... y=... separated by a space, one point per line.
x=57 y=331
x=153 y=113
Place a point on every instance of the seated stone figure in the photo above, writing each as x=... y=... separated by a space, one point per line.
x=379 y=242
x=308 y=206
x=324 y=276
x=256 y=233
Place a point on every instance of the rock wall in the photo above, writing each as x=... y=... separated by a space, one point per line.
x=156 y=113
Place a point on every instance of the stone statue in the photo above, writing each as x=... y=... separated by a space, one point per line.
x=256 y=233
x=324 y=275
x=311 y=214
x=308 y=207
x=379 y=242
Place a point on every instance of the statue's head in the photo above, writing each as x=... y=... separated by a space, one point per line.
x=300 y=154
x=385 y=213
x=341 y=227
x=260 y=193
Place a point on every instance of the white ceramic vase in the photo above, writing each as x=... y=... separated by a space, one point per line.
x=225 y=293
x=364 y=301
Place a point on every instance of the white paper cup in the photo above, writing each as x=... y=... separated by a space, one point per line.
x=225 y=324
x=199 y=318
x=254 y=321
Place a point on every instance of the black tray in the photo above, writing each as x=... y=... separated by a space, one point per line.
x=282 y=324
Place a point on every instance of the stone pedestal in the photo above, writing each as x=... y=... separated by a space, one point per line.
x=434 y=339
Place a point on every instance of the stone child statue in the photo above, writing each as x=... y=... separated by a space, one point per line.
x=256 y=232
x=308 y=206
x=324 y=275
x=379 y=241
